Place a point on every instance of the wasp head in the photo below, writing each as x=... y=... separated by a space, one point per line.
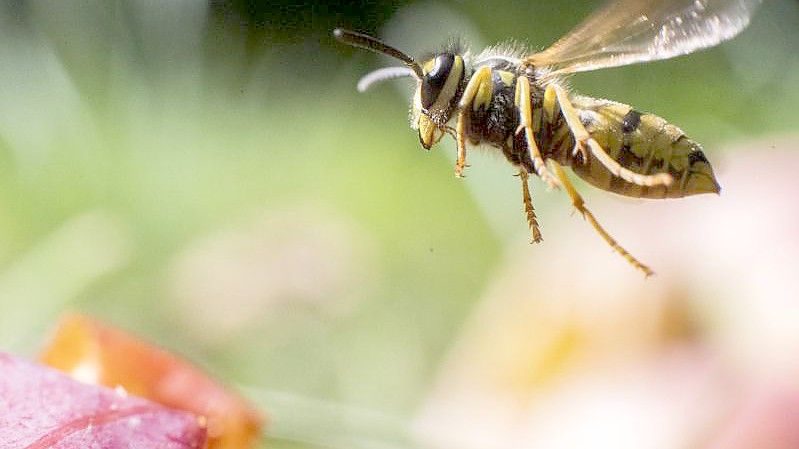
x=439 y=83
x=437 y=95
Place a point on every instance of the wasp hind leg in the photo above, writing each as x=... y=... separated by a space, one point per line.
x=583 y=139
x=525 y=106
x=478 y=88
x=532 y=220
x=579 y=204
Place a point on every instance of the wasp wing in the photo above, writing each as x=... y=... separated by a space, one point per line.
x=630 y=31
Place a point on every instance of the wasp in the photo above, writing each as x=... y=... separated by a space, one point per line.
x=519 y=102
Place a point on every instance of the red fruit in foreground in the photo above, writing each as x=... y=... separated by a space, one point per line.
x=42 y=408
x=96 y=353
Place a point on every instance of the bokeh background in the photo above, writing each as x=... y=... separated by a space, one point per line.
x=206 y=175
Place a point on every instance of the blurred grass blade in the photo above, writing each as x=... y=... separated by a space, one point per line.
x=42 y=281
x=324 y=424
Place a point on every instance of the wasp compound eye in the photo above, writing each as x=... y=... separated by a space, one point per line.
x=435 y=80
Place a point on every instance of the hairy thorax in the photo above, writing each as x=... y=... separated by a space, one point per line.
x=493 y=118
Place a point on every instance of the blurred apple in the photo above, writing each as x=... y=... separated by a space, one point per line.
x=95 y=353
x=42 y=408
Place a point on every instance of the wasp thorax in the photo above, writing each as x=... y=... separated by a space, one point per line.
x=443 y=75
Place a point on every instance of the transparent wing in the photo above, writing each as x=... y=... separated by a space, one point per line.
x=630 y=31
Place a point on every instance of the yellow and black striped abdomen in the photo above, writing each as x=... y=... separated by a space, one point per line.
x=643 y=143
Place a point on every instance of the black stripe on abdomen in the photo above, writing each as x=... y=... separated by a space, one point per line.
x=696 y=156
x=630 y=121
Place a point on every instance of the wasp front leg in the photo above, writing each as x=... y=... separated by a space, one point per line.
x=584 y=140
x=525 y=106
x=579 y=204
x=477 y=92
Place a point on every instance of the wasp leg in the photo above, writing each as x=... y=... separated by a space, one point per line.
x=479 y=85
x=583 y=139
x=579 y=204
x=550 y=102
x=532 y=220
x=525 y=106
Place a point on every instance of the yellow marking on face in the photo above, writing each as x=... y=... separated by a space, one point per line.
x=416 y=107
x=428 y=66
x=450 y=88
x=428 y=131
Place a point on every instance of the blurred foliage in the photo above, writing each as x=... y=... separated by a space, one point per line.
x=291 y=21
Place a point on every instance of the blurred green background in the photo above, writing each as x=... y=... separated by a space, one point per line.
x=207 y=176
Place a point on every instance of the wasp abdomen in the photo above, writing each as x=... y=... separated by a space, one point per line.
x=641 y=142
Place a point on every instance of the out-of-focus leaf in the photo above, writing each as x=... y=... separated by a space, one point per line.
x=42 y=408
x=95 y=353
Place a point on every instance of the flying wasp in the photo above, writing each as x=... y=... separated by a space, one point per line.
x=518 y=102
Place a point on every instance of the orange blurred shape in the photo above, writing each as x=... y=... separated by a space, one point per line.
x=93 y=352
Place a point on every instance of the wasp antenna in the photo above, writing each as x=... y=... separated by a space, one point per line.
x=369 y=43
x=386 y=73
